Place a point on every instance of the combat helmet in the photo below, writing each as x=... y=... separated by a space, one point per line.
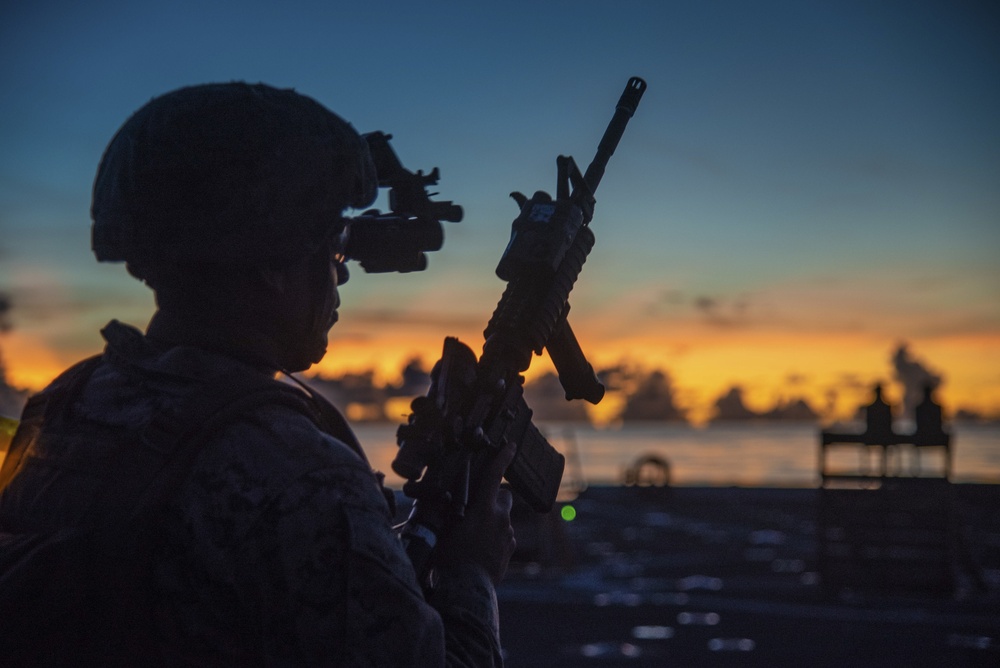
x=230 y=173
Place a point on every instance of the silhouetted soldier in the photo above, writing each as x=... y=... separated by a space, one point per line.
x=272 y=542
x=878 y=420
x=878 y=427
x=929 y=430
x=929 y=421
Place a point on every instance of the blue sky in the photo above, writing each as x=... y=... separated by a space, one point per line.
x=792 y=165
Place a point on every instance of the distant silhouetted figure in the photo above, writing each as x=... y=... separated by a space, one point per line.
x=930 y=424
x=878 y=427
x=878 y=421
x=930 y=430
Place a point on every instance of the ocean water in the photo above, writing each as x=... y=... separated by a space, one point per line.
x=745 y=455
x=749 y=455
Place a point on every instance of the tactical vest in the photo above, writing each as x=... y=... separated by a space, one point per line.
x=75 y=583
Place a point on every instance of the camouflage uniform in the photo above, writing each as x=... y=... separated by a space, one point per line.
x=277 y=549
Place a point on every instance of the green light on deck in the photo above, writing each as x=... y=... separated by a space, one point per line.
x=568 y=513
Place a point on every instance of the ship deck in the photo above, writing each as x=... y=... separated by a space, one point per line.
x=720 y=576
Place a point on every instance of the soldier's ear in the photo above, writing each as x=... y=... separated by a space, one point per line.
x=272 y=280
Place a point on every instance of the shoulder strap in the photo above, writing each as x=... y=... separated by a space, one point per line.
x=145 y=477
x=330 y=419
x=149 y=475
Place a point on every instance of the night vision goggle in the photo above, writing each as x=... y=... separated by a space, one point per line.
x=399 y=239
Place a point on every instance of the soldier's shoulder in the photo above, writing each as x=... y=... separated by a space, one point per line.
x=288 y=431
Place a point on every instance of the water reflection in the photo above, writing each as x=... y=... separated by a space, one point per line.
x=698 y=618
x=652 y=632
x=731 y=645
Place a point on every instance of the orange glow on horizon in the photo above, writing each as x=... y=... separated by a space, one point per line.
x=30 y=364
x=834 y=373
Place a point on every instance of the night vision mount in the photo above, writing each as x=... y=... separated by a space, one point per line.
x=398 y=240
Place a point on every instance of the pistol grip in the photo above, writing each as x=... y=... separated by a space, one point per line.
x=575 y=373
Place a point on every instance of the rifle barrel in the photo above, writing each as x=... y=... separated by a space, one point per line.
x=627 y=104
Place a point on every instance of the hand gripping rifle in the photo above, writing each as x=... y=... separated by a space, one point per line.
x=475 y=406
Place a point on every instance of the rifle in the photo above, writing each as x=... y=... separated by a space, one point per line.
x=475 y=406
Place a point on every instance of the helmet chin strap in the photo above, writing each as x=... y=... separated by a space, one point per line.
x=323 y=286
x=302 y=334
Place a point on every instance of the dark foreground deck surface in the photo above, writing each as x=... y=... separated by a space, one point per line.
x=730 y=577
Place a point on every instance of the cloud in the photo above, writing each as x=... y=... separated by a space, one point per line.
x=795 y=378
x=43 y=300
x=706 y=304
x=914 y=376
x=436 y=320
x=671 y=297
x=724 y=313
x=653 y=400
x=4 y=311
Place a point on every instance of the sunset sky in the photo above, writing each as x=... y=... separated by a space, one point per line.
x=805 y=186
